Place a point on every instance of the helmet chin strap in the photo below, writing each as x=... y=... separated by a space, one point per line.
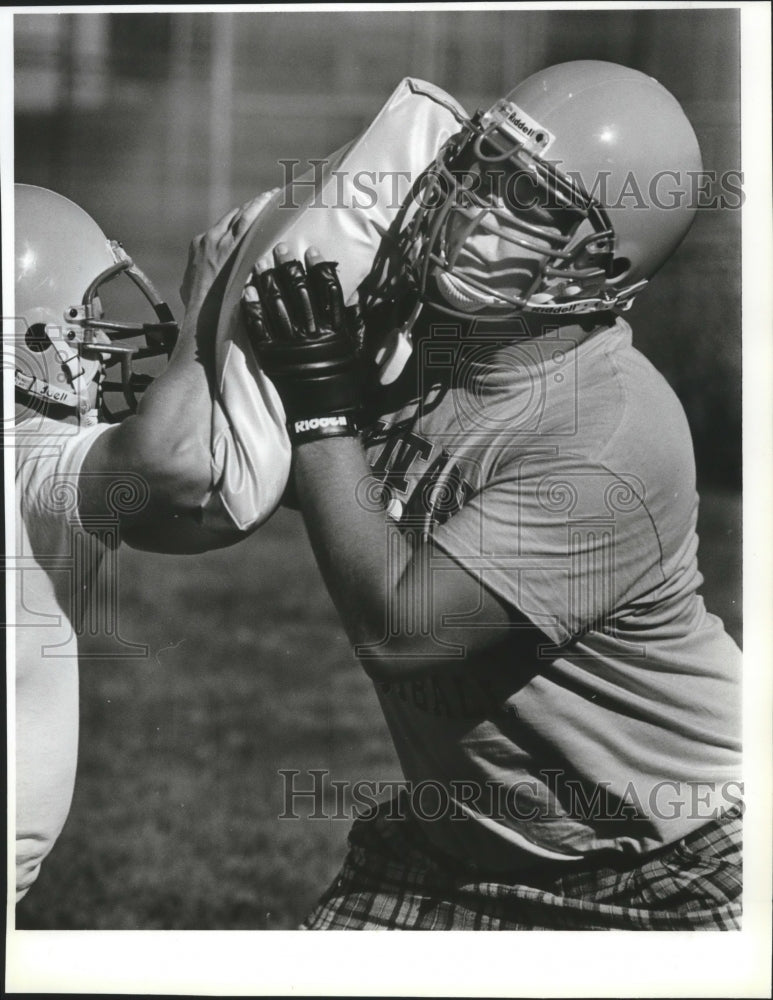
x=397 y=347
x=466 y=307
x=38 y=388
x=79 y=380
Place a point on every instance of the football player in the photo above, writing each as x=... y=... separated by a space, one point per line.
x=187 y=468
x=505 y=519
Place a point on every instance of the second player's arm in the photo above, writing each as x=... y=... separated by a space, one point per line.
x=166 y=444
x=167 y=441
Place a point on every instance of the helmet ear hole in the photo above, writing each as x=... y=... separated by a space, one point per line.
x=36 y=338
x=620 y=267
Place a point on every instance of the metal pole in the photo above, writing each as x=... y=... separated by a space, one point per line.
x=180 y=117
x=221 y=114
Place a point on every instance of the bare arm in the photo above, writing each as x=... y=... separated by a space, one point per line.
x=395 y=592
x=167 y=441
x=384 y=583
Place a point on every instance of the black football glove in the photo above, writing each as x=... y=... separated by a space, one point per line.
x=308 y=344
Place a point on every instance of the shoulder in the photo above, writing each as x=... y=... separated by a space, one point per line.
x=604 y=416
x=650 y=425
x=646 y=446
x=49 y=457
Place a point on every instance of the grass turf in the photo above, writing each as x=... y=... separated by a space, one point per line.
x=174 y=822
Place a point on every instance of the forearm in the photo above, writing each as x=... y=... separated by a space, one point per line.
x=406 y=607
x=350 y=537
x=395 y=591
x=165 y=444
x=167 y=439
x=207 y=444
x=172 y=431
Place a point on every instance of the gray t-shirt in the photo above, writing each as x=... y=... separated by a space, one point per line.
x=562 y=475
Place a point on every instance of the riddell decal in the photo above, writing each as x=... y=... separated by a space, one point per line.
x=521 y=125
x=566 y=308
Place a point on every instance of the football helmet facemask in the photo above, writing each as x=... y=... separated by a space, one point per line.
x=66 y=345
x=565 y=197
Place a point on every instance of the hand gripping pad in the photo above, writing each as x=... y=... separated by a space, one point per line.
x=358 y=190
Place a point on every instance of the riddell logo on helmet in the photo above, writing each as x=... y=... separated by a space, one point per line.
x=523 y=125
x=520 y=124
x=314 y=423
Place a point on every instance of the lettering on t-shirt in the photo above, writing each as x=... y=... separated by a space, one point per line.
x=452 y=695
x=418 y=487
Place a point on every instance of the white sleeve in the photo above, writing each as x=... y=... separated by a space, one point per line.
x=46 y=759
x=49 y=456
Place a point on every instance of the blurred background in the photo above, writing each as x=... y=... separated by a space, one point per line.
x=157 y=123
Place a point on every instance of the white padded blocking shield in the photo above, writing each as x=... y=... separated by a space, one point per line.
x=359 y=189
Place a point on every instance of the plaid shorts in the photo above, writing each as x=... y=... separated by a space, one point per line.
x=392 y=879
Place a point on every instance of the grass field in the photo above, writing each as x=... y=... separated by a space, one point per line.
x=174 y=822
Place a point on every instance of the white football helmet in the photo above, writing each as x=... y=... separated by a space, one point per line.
x=65 y=344
x=565 y=197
